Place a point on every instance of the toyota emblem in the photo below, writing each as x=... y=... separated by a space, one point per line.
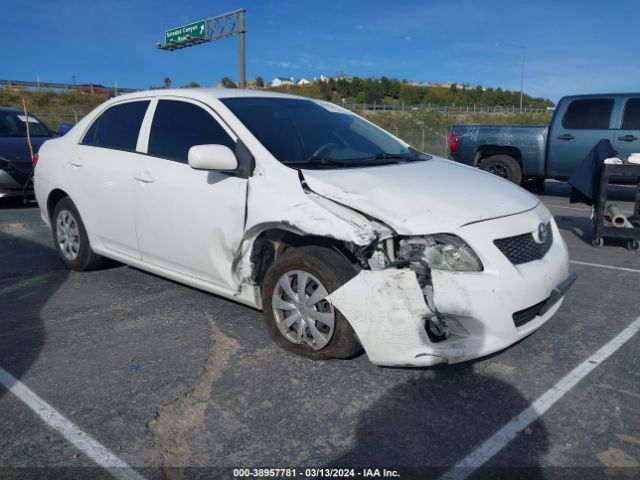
x=543 y=233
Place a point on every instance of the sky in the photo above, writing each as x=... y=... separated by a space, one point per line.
x=570 y=47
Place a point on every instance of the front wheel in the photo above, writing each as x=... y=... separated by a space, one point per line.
x=503 y=166
x=70 y=237
x=296 y=312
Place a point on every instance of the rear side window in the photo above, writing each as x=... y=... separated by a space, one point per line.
x=631 y=119
x=177 y=126
x=118 y=127
x=588 y=114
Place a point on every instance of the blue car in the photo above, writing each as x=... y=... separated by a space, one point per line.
x=16 y=164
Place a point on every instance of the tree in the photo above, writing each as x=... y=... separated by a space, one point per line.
x=228 y=83
x=325 y=90
x=259 y=82
x=343 y=87
x=193 y=84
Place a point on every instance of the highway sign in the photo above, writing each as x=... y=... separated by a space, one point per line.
x=186 y=32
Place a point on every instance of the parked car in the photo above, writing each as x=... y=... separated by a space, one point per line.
x=539 y=152
x=15 y=157
x=345 y=236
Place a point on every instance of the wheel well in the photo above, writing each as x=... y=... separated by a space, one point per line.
x=272 y=243
x=54 y=197
x=485 y=151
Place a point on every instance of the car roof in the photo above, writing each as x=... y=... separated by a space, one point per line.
x=10 y=110
x=600 y=95
x=208 y=93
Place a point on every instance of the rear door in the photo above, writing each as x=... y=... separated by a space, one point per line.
x=578 y=126
x=188 y=221
x=102 y=173
x=626 y=140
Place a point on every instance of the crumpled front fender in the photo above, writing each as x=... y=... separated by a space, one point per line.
x=386 y=309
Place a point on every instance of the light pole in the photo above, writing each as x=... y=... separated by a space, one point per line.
x=523 y=50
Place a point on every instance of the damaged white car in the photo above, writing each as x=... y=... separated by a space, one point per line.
x=346 y=237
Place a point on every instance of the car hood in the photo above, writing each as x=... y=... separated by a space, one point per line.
x=423 y=197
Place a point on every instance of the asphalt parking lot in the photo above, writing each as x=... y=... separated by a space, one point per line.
x=164 y=376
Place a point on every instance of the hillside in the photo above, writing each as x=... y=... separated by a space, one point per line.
x=424 y=129
x=393 y=91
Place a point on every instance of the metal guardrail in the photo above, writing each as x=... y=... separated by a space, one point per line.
x=87 y=88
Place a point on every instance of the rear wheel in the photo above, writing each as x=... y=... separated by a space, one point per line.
x=296 y=313
x=503 y=166
x=70 y=238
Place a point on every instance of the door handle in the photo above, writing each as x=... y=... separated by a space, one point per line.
x=628 y=138
x=76 y=162
x=566 y=136
x=143 y=177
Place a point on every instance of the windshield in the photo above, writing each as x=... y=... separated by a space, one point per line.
x=311 y=134
x=14 y=124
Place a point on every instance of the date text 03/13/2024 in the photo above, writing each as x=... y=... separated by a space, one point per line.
x=314 y=473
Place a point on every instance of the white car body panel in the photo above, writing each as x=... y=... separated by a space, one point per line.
x=200 y=227
x=421 y=197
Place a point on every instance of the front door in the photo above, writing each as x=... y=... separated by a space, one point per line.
x=188 y=221
x=576 y=131
x=626 y=140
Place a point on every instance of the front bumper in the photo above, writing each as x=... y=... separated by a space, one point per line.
x=388 y=311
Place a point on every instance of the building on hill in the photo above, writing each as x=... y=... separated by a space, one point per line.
x=282 y=82
x=304 y=81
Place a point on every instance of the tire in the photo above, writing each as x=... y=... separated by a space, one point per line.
x=326 y=269
x=70 y=238
x=503 y=166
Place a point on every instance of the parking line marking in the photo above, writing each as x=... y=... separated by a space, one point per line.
x=82 y=440
x=627 y=213
x=469 y=464
x=568 y=207
x=599 y=265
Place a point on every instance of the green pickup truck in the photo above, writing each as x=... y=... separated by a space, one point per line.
x=535 y=153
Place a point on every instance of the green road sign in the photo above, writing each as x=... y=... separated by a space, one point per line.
x=193 y=30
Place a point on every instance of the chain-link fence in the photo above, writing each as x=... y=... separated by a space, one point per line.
x=53 y=120
x=427 y=107
x=424 y=139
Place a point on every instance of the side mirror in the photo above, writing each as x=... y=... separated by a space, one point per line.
x=212 y=157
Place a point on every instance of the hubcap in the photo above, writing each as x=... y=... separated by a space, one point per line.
x=499 y=170
x=68 y=235
x=302 y=313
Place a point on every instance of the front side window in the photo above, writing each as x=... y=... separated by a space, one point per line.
x=588 y=114
x=118 y=127
x=631 y=119
x=177 y=126
x=314 y=134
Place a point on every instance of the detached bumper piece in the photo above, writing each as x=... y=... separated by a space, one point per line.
x=525 y=316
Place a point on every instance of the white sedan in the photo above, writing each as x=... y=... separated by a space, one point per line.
x=346 y=237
